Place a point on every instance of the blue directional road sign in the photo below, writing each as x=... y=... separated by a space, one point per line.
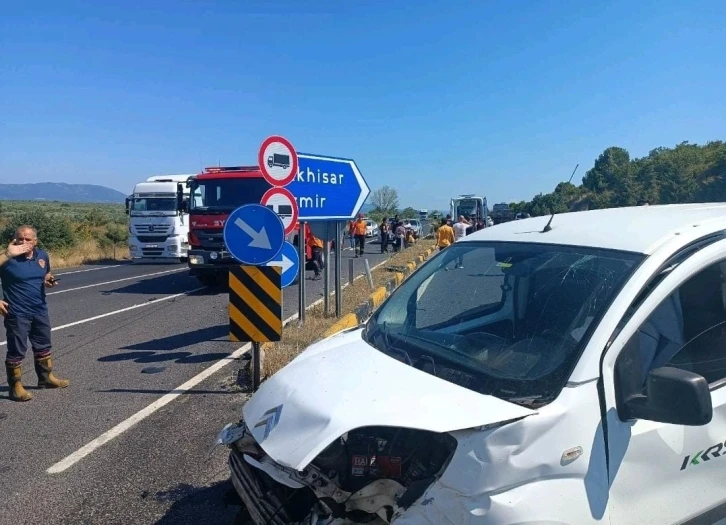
x=254 y=234
x=289 y=260
x=328 y=188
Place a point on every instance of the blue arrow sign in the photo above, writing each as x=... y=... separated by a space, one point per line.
x=328 y=188
x=289 y=260
x=254 y=234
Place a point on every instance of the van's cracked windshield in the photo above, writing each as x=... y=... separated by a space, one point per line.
x=506 y=319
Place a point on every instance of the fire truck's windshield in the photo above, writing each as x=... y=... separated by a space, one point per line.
x=226 y=194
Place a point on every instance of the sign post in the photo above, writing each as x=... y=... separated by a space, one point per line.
x=255 y=309
x=289 y=262
x=326 y=274
x=282 y=202
x=301 y=284
x=254 y=236
x=329 y=189
x=338 y=264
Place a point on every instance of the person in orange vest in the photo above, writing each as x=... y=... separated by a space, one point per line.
x=445 y=235
x=316 y=247
x=359 y=229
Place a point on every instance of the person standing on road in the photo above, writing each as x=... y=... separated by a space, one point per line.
x=351 y=234
x=444 y=235
x=25 y=273
x=316 y=248
x=460 y=231
x=383 y=228
x=359 y=229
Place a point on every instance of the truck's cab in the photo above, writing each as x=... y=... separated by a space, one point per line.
x=210 y=197
x=157 y=229
x=502 y=213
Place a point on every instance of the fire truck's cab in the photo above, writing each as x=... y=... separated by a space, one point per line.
x=209 y=198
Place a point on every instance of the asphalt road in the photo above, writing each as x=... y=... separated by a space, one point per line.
x=127 y=336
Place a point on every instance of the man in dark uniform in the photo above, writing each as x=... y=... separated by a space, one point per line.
x=25 y=273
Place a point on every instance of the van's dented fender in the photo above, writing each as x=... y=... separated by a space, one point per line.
x=342 y=383
x=517 y=473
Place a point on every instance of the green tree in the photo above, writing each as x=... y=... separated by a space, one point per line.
x=684 y=173
x=384 y=201
x=53 y=232
x=408 y=213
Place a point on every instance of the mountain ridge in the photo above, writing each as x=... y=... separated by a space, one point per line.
x=60 y=191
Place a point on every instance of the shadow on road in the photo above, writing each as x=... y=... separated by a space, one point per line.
x=159 y=284
x=193 y=505
x=161 y=349
x=162 y=392
x=182 y=358
x=177 y=341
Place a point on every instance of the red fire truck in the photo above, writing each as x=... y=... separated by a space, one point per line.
x=212 y=196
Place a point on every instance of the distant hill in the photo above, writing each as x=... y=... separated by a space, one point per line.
x=60 y=191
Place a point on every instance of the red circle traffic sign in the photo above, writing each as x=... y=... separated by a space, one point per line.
x=278 y=161
x=282 y=202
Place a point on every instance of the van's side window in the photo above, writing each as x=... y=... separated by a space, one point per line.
x=688 y=329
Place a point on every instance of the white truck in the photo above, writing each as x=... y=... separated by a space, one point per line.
x=157 y=231
x=469 y=205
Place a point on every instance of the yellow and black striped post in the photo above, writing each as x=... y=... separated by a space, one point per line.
x=255 y=304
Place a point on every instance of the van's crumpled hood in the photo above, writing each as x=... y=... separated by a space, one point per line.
x=341 y=384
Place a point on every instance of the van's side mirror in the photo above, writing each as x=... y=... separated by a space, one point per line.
x=672 y=396
x=128 y=205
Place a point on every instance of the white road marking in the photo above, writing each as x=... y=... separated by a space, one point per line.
x=88 y=270
x=164 y=400
x=115 y=281
x=122 y=310
x=142 y=414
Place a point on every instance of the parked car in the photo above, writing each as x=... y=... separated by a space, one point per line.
x=415 y=225
x=521 y=215
x=571 y=376
x=372 y=228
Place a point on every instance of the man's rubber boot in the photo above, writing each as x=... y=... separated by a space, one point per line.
x=16 y=390
x=46 y=379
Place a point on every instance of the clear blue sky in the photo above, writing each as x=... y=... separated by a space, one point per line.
x=499 y=98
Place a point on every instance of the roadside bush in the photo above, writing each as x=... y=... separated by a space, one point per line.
x=95 y=218
x=53 y=232
x=112 y=237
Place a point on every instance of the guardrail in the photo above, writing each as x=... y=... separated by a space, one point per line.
x=376 y=298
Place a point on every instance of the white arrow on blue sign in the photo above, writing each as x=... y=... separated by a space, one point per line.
x=328 y=188
x=289 y=260
x=254 y=234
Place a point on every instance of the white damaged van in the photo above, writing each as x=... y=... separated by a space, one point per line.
x=565 y=374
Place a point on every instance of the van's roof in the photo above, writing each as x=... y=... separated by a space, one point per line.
x=638 y=229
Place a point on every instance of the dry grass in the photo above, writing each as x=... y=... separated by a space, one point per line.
x=295 y=338
x=86 y=252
